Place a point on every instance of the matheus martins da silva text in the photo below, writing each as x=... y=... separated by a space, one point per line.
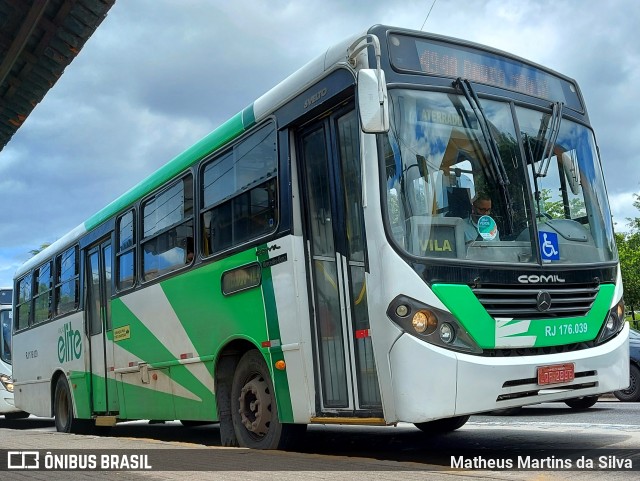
x=549 y=462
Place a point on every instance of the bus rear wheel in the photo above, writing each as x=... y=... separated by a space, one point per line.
x=441 y=426
x=253 y=407
x=63 y=409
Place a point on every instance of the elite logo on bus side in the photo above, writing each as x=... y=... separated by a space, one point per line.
x=69 y=343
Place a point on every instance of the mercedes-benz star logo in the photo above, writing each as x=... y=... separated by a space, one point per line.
x=543 y=301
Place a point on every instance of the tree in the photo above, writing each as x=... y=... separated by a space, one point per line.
x=635 y=222
x=629 y=252
x=37 y=251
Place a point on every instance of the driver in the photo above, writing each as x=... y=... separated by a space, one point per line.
x=480 y=207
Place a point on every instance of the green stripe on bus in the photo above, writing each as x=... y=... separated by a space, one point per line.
x=231 y=129
x=248 y=117
x=280 y=380
x=143 y=344
x=488 y=332
x=209 y=318
x=80 y=382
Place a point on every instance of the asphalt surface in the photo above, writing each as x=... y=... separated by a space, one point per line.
x=131 y=453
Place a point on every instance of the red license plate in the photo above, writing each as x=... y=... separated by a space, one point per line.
x=556 y=374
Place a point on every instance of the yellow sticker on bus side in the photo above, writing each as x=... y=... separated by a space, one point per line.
x=121 y=333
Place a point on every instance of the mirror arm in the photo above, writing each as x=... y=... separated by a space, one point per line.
x=357 y=47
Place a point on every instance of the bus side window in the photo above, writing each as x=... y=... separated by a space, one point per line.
x=167 y=224
x=42 y=295
x=239 y=192
x=23 y=306
x=67 y=290
x=125 y=253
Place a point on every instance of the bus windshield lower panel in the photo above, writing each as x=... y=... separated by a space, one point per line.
x=458 y=186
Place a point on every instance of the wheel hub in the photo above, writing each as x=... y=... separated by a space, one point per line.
x=255 y=406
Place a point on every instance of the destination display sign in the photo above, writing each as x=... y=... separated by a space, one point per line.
x=451 y=60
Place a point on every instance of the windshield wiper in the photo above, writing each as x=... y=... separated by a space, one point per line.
x=548 y=125
x=553 y=127
x=465 y=86
x=494 y=154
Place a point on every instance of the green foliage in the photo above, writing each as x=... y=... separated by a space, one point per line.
x=635 y=222
x=42 y=247
x=629 y=252
x=551 y=208
x=555 y=209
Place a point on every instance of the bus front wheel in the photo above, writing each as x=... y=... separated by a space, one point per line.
x=253 y=407
x=631 y=393
x=584 y=402
x=441 y=426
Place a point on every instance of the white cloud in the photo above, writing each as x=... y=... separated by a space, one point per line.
x=622 y=209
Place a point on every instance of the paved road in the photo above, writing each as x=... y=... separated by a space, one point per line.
x=394 y=453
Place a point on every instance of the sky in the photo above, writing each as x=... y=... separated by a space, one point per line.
x=158 y=75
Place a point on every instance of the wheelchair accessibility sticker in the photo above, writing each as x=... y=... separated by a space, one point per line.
x=549 y=248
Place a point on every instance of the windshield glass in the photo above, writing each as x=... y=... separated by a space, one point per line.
x=449 y=197
x=570 y=201
x=5 y=335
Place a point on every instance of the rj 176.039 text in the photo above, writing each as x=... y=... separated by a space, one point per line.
x=564 y=329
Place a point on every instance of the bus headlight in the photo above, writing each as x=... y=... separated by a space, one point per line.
x=424 y=322
x=613 y=324
x=7 y=382
x=431 y=325
x=447 y=333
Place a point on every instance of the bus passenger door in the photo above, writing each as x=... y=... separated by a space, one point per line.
x=98 y=284
x=330 y=168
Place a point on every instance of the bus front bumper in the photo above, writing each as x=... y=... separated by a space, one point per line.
x=431 y=383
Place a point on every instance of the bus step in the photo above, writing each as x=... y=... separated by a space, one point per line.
x=106 y=420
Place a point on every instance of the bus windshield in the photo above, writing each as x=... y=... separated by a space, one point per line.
x=5 y=335
x=462 y=184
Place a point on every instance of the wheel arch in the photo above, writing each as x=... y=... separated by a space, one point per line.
x=229 y=356
x=224 y=368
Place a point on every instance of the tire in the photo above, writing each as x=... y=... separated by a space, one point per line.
x=442 y=426
x=632 y=393
x=253 y=407
x=16 y=415
x=584 y=402
x=63 y=409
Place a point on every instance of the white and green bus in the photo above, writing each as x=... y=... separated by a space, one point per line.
x=324 y=257
x=7 y=406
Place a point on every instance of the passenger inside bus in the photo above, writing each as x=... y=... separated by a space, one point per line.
x=190 y=251
x=479 y=225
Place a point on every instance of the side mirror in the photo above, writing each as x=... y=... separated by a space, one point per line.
x=570 y=167
x=372 y=101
